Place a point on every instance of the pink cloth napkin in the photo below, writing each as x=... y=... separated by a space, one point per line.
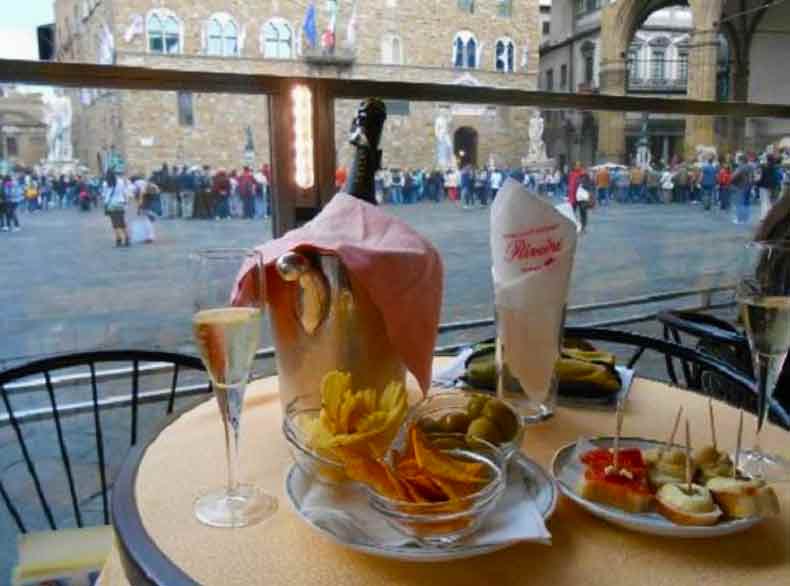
x=400 y=270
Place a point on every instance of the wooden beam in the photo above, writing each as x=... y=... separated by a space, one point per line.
x=139 y=78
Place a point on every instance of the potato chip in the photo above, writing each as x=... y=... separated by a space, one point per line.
x=373 y=473
x=442 y=465
x=334 y=388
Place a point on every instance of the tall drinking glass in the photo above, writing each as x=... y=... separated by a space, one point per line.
x=227 y=335
x=764 y=296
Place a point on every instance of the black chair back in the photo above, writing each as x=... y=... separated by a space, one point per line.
x=73 y=418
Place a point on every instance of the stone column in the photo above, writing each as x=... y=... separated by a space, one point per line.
x=703 y=68
x=611 y=125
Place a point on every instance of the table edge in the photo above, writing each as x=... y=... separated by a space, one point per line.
x=143 y=562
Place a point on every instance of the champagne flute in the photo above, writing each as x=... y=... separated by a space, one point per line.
x=764 y=295
x=227 y=334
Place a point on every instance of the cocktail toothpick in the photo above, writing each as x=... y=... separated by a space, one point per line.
x=617 y=433
x=712 y=424
x=688 y=455
x=738 y=446
x=671 y=439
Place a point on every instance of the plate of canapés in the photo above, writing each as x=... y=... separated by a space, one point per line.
x=433 y=473
x=661 y=488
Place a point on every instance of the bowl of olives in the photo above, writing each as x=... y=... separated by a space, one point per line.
x=473 y=415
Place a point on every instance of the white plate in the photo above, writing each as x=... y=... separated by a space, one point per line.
x=567 y=471
x=540 y=487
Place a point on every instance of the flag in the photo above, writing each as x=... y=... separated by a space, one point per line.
x=309 y=26
x=351 y=28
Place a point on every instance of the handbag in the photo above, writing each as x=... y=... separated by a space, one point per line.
x=582 y=194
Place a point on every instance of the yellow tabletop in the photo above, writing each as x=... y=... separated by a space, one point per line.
x=188 y=459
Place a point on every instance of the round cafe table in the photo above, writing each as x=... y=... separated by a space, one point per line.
x=159 y=537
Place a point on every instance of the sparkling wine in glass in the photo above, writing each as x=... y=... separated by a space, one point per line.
x=227 y=334
x=764 y=296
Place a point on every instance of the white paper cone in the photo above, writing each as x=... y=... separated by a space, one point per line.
x=533 y=246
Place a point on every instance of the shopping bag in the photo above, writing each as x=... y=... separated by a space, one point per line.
x=141 y=230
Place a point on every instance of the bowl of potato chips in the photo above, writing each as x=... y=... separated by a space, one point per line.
x=351 y=421
x=322 y=465
x=437 y=490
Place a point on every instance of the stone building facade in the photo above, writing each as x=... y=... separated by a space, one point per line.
x=715 y=50
x=487 y=42
x=23 y=132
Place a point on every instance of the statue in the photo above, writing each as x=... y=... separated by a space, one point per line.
x=643 y=154
x=537 y=148
x=444 y=146
x=58 y=118
x=249 y=145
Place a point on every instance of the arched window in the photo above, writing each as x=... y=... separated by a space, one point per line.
x=505 y=56
x=465 y=51
x=163 y=30
x=221 y=36
x=391 y=49
x=277 y=39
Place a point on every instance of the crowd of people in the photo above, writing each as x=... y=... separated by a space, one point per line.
x=735 y=184
x=467 y=187
x=730 y=184
x=169 y=192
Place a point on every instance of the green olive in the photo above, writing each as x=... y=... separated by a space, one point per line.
x=475 y=406
x=503 y=417
x=485 y=429
x=429 y=425
x=454 y=423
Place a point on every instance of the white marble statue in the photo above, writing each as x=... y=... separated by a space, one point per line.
x=58 y=118
x=444 y=146
x=537 y=148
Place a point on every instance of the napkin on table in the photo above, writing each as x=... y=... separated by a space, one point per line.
x=400 y=270
x=345 y=511
x=533 y=246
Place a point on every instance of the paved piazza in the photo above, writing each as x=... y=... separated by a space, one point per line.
x=67 y=288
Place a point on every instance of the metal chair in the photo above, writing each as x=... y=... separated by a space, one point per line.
x=72 y=375
x=722 y=340
x=696 y=364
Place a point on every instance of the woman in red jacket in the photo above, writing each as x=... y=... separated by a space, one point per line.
x=724 y=181
x=574 y=179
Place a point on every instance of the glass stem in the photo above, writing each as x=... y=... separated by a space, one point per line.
x=768 y=370
x=231 y=401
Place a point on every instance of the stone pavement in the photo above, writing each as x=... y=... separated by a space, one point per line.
x=67 y=288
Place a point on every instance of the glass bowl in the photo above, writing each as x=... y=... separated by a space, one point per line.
x=443 y=524
x=323 y=467
x=431 y=411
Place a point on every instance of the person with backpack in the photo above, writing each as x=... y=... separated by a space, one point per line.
x=115 y=200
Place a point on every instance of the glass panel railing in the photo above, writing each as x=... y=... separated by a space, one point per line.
x=72 y=288
x=666 y=227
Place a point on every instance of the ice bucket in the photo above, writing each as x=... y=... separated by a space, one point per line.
x=322 y=320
